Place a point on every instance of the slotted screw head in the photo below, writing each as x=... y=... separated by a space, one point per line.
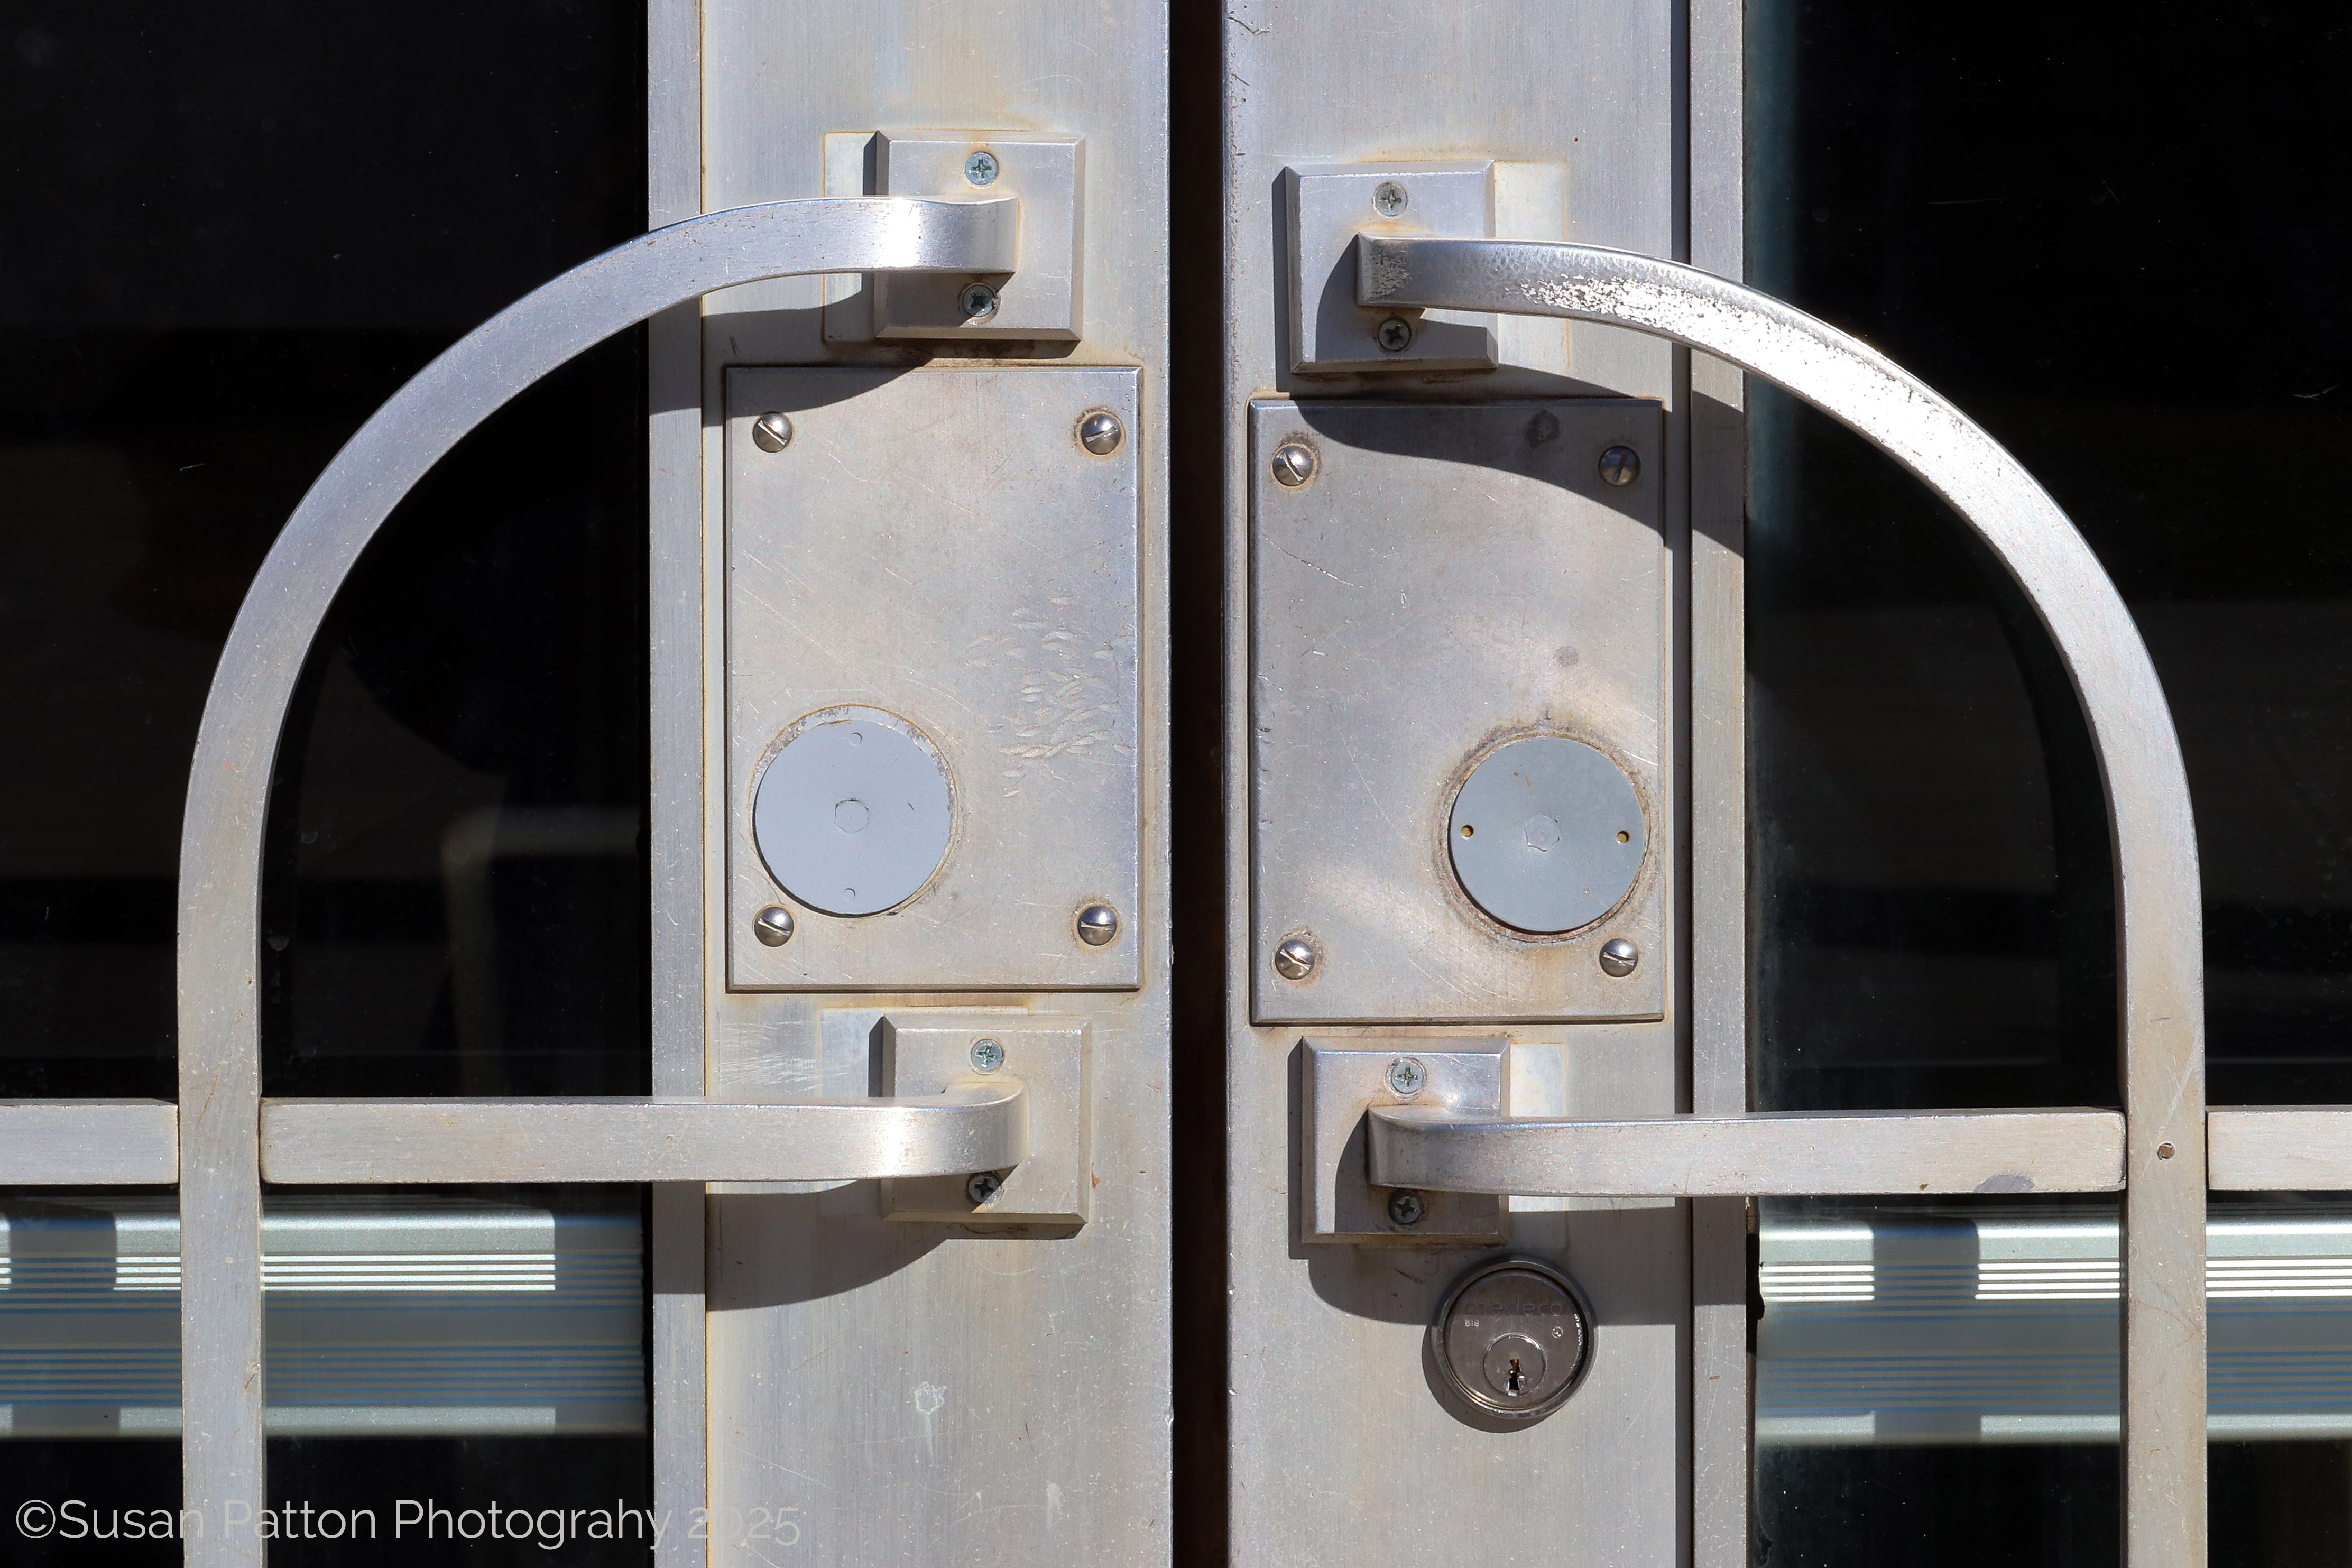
x=1620 y=465
x=1293 y=465
x=1100 y=433
x=773 y=925
x=1097 y=925
x=1405 y=1207
x=981 y=168
x=772 y=432
x=987 y=1055
x=978 y=302
x=1394 y=335
x=1388 y=198
x=1619 y=957
x=1406 y=1075
x=983 y=1187
x=1295 y=959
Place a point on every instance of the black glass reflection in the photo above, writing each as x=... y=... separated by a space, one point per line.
x=1933 y=914
x=2113 y=235
x=234 y=230
x=2036 y=232
x=237 y=229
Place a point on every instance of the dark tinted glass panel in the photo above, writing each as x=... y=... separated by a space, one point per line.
x=2030 y=207
x=237 y=229
x=234 y=230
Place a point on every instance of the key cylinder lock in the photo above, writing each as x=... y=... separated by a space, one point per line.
x=1514 y=1339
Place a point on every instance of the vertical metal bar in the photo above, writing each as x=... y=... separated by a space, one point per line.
x=1716 y=777
x=2164 y=1254
x=222 y=1451
x=675 y=835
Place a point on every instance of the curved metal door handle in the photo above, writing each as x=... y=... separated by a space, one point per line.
x=237 y=744
x=228 y=787
x=2159 y=917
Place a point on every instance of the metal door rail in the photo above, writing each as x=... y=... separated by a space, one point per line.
x=89 y=1143
x=980 y=1127
x=2159 y=918
x=2279 y=1147
x=1770 y=1155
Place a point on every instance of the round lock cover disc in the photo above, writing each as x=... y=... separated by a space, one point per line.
x=1547 y=834
x=854 y=815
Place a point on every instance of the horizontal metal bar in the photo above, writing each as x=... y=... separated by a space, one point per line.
x=964 y=1130
x=89 y=1143
x=2279 y=1147
x=1770 y=1155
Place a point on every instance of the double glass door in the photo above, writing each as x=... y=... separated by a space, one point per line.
x=1167 y=797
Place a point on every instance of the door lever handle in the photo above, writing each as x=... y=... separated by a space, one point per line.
x=980 y=1124
x=1773 y=1154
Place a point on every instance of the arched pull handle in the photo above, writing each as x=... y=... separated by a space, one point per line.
x=228 y=792
x=222 y=1125
x=2160 y=957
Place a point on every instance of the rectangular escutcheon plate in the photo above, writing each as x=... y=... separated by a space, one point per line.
x=932 y=607
x=1448 y=580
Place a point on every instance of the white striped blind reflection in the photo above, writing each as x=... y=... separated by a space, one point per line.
x=1973 y=1323
x=388 y=1315
x=1816 y=1282
x=459 y=1272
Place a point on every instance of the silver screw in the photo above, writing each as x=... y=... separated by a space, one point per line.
x=772 y=432
x=1293 y=465
x=978 y=302
x=1388 y=198
x=987 y=1055
x=1100 y=433
x=1406 y=1076
x=1097 y=925
x=1295 y=959
x=983 y=1189
x=1394 y=335
x=1618 y=957
x=773 y=925
x=981 y=168
x=1405 y=1207
x=1620 y=465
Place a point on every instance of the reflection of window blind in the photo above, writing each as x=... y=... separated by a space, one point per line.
x=386 y=1316
x=1959 y=1325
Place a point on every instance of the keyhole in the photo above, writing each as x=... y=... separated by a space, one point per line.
x=1518 y=1379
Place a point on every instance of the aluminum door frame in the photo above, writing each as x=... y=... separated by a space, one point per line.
x=741 y=96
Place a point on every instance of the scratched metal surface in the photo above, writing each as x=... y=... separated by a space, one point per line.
x=1341 y=1451
x=908 y=1394
x=938 y=545
x=1451 y=579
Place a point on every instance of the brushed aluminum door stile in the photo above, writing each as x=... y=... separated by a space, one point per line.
x=678 y=716
x=1715 y=749
x=1370 y=1468
x=897 y=1384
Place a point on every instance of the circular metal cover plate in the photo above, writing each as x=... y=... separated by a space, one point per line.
x=854 y=815
x=1547 y=834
